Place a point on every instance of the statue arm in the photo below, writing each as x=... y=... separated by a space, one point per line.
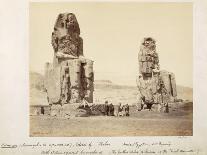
x=156 y=58
x=140 y=54
x=139 y=86
x=62 y=55
x=54 y=41
x=80 y=47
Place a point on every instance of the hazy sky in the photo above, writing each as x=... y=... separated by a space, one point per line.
x=112 y=33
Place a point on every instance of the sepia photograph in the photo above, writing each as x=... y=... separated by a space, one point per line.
x=110 y=69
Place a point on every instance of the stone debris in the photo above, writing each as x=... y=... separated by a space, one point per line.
x=98 y=109
x=83 y=111
x=69 y=79
x=40 y=110
x=155 y=86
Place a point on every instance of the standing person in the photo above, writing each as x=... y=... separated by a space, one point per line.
x=127 y=109
x=119 y=109
x=84 y=103
x=106 y=108
x=42 y=110
x=111 y=110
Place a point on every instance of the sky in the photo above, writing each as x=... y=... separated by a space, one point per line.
x=112 y=33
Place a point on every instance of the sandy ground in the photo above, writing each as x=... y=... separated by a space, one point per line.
x=178 y=122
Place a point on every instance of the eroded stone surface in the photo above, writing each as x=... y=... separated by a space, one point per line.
x=155 y=86
x=69 y=79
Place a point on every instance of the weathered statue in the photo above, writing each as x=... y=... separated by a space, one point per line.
x=148 y=58
x=66 y=42
x=154 y=86
x=70 y=78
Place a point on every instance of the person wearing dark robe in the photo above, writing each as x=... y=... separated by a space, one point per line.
x=127 y=109
x=106 y=108
x=120 y=108
x=42 y=110
x=111 y=110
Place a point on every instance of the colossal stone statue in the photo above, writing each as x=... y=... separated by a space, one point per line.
x=70 y=78
x=148 y=58
x=154 y=86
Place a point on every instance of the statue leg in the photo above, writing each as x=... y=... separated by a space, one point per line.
x=88 y=80
x=140 y=103
x=65 y=85
x=75 y=80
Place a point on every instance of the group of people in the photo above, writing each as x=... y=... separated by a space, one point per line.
x=108 y=109
x=123 y=110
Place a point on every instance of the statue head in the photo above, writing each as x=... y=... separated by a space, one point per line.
x=67 y=21
x=149 y=43
x=140 y=76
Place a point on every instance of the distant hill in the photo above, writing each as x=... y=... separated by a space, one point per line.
x=104 y=90
x=37 y=94
x=106 y=84
x=36 y=81
x=185 y=93
x=102 y=82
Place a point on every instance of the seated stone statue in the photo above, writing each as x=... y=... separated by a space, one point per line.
x=152 y=81
x=71 y=71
